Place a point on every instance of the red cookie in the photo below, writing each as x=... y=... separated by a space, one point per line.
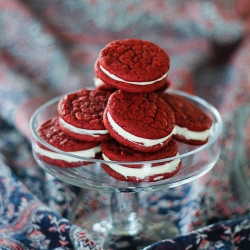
x=163 y=88
x=51 y=132
x=133 y=65
x=191 y=123
x=143 y=122
x=81 y=114
x=113 y=151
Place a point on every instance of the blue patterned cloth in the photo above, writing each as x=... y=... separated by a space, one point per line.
x=49 y=47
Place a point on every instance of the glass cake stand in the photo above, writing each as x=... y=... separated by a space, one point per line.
x=123 y=216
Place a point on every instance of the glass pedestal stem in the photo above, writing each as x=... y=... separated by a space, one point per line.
x=124 y=213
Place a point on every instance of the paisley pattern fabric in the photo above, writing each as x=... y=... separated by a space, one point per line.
x=48 y=48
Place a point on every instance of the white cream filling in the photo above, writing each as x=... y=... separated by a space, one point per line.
x=88 y=153
x=136 y=139
x=82 y=131
x=97 y=82
x=192 y=135
x=112 y=76
x=146 y=170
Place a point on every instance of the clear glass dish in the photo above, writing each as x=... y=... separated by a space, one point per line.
x=196 y=161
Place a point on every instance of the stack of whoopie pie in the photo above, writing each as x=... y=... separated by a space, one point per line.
x=128 y=117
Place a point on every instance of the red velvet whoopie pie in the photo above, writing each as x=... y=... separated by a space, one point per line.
x=51 y=132
x=81 y=114
x=133 y=65
x=143 y=122
x=191 y=123
x=114 y=151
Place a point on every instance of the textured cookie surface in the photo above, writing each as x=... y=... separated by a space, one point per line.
x=145 y=115
x=192 y=124
x=133 y=65
x=186 y=113
x=81 y=114
x=84 y=109
x=134 y=60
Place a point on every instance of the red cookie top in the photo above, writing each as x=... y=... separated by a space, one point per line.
x=186 y=113
x=118 y=152
x=134 y=60
x=50 y=132
x=145 y=115
x=84 y=108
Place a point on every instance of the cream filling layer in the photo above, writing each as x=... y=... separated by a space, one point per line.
x=112 y=76
x=82 y=131
x=133 y=138
x=88 y=153
x=146 y=170
x=192 y=135
x=97 y=81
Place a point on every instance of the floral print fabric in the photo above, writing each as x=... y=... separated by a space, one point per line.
x=48 y=48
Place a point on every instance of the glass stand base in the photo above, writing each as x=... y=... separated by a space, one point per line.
x=153 y=228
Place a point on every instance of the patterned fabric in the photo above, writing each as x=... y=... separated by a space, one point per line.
x=224 y=235
x=49 y=47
